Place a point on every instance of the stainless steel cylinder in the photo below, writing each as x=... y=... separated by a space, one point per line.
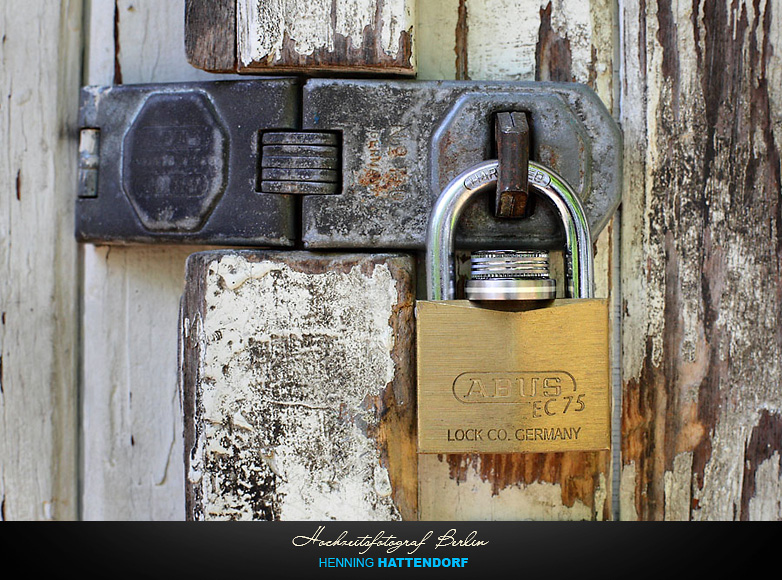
x=579 y=260
x=510 y=275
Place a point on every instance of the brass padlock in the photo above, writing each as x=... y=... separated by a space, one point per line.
x=511 y=377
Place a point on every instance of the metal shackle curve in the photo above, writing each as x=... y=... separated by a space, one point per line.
x=579 y=260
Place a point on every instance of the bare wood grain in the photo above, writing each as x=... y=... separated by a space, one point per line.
x=210 y=34
x=701 y=261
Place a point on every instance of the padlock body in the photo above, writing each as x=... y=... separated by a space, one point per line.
x=494 y=380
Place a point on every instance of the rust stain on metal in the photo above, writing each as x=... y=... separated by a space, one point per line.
x=381 y=183
x=382 y=174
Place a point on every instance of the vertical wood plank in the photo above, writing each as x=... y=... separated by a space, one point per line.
x=40 y=72
x=566 y=40
x=132 y=416
x=436 y=30
x=701 y=257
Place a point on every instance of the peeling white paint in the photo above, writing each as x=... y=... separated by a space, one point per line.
x=290 y=360
x=634 y=281
x=501 y=52
x=627 y=487
x=710 y=278
x=473 y=499
x=312 y=26
x=720 y=498
x=767 y=505
x=498 y=51
x=677 y=488
x=573 y=20
x=435 y=26
x=39 y=287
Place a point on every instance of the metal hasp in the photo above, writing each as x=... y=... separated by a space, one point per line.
x=179 y=163
x=327 y=163
x=455 y=198
x=403 y=142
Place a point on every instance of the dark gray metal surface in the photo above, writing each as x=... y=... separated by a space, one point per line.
x=403 y=141
x=221 y=162
x=300 y=163
x=179 y=163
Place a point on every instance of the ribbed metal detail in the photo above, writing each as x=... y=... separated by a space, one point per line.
x=509 y=264
x=510 y=275
x=300 y=163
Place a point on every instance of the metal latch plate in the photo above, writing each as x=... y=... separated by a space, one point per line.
x=210 y=162
x=404 y=141
x=179 y=163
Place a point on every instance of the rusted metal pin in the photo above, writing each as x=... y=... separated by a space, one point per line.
x=511 y=132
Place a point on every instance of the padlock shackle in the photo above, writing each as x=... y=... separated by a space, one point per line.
x=479 y=178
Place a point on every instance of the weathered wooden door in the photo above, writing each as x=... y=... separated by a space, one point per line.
x=92 y=419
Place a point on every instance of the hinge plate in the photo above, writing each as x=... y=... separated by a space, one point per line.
x=179 y=163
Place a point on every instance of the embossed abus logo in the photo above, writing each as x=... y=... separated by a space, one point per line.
x=518 y=387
